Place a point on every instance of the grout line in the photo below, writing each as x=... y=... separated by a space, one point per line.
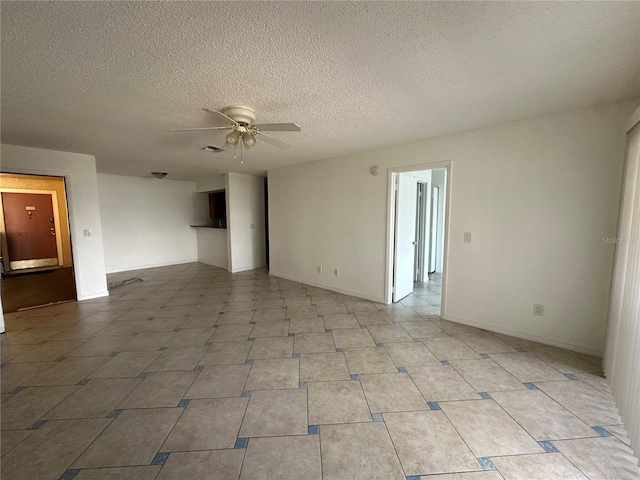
x=202 y=287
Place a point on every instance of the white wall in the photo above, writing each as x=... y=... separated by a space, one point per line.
x=245 y=221
x=145 y=221
x=538 y=195
x=210 y=184
x=422 y=176
x=212 y=247
x=83 y=204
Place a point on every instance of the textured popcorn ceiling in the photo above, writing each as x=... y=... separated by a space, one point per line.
x=108 y=78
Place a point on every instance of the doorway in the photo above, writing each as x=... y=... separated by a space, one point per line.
x=35 y=244
x=417 y=226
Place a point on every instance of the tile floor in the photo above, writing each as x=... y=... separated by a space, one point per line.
x=195 y=373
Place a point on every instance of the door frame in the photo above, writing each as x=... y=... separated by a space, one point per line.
x=392 y=176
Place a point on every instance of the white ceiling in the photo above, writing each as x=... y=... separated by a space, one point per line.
x=108 y=78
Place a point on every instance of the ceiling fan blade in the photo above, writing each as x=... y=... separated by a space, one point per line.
x=274 y=141
x=221 y=116
x=198 y=128
x=278 y=127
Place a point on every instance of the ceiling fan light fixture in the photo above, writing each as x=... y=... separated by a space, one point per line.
x=233 y=138
x=159 y=175
x=248 y=140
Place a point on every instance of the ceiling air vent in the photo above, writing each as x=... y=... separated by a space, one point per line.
x=213 y=148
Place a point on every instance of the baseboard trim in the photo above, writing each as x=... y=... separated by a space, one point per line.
x=247 y=268
x=93 y=295
x=150 y=265
x=223 y=267
x=575 y=347
x=333 y=288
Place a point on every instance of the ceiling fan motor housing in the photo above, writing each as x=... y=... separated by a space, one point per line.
x=240 y=114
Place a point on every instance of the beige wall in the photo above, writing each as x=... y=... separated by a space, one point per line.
x=538 y=196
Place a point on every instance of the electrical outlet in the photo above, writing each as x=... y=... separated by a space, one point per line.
x=336 y=272
x=467 y=237
x=538 y=310
x=319 y=269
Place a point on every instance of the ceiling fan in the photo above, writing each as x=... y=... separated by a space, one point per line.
x=241 y=121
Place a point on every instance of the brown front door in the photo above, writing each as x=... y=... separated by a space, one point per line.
x=30 y=230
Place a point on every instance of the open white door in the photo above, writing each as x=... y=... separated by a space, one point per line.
x=405 y=236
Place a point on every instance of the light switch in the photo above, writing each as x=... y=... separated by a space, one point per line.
x=467 y=237
x=86 y=232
